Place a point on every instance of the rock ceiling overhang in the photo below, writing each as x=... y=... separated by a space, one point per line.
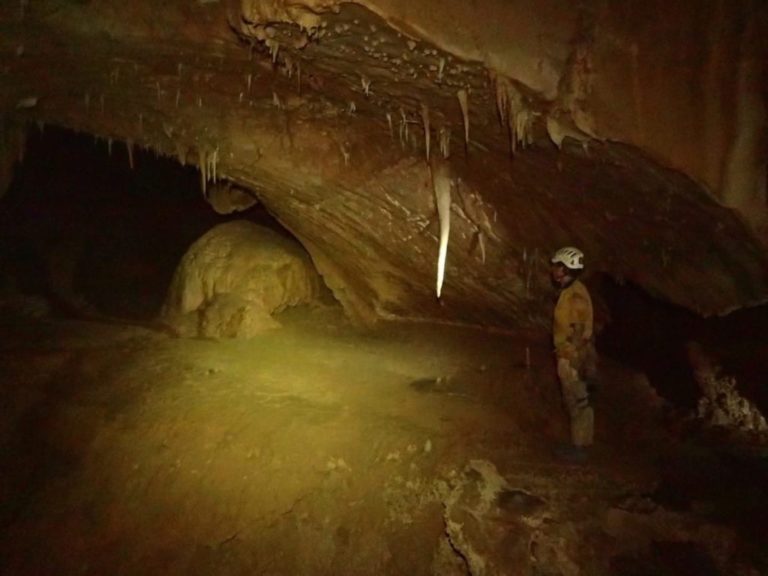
x=329 y=111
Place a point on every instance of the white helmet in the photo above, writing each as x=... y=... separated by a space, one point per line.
x=569 y=257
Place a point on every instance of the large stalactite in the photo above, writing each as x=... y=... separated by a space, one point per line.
x=553 y=126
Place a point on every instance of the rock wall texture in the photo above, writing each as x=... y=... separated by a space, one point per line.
x=688 y=87
x=600 y=124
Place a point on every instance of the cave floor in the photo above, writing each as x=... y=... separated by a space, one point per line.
x=316 y=449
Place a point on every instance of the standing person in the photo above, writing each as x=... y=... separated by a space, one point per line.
x=572 y=333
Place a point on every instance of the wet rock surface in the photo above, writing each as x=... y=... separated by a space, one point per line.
x=307 y=450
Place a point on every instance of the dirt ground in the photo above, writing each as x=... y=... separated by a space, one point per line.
x=319 y=449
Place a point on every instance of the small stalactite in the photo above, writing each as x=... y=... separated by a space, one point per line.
x=208 y=161
x=515 y=117
x=274 y=49
x=525 y=271
x=530 y=265
x=425 y=122
x=502 y=97
x=523 y=127
x=181 y=154
x=202 y=160
x=481 y=243
x=214 y=165
x=403 y=129
x=445 y=141
x=129 y=147
x=288 y=66
x=463 y=97
x=345 y=152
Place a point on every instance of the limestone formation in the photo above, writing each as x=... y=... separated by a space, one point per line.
x=721 y=405
x=234 y=278
x=498 y=529
x=227 y=198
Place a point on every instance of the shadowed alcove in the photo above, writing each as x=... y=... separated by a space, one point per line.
x=96 y=230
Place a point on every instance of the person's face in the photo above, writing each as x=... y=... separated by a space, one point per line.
x=559 y=274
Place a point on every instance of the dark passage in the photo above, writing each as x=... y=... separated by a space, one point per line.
x=651 y=336
x=706 y=471
x=88 y=234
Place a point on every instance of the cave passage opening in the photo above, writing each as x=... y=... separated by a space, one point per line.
x=88 y=226
x=652 y=336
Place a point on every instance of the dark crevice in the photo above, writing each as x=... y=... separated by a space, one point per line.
x=84 y=230
x=650 y=335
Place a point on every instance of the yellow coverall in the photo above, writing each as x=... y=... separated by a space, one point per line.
x=575 y=353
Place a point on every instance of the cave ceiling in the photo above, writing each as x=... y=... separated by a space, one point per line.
x=597 y=124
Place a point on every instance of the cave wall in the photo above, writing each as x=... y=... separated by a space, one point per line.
x=336 y=115
x=688 y=87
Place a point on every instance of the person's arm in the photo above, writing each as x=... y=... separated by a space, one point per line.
x=580 y=321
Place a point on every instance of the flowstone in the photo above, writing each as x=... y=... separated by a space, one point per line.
x=721 y=405
x=231 y=281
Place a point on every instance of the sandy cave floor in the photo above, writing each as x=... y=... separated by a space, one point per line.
x=313 y=449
